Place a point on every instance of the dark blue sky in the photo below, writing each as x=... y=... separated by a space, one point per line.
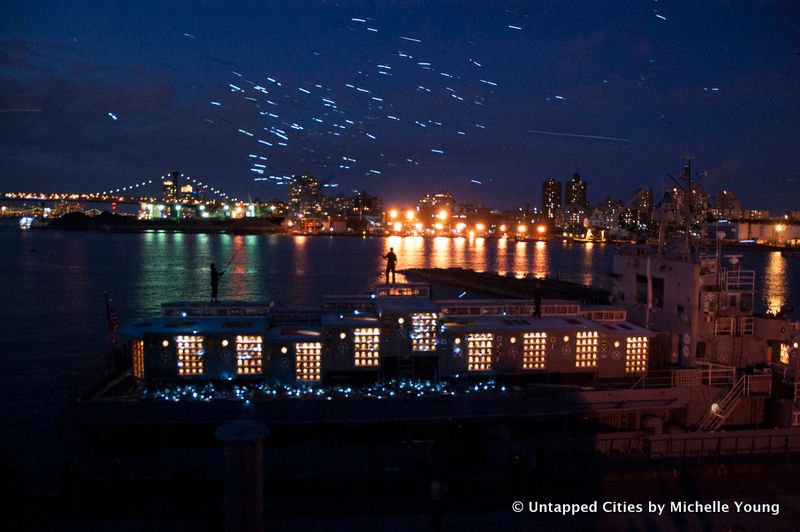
x=473 y=107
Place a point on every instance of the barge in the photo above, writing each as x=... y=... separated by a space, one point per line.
x=400 y=371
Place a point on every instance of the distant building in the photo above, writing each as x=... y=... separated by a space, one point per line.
x=755 y=214
x=575 y=192
x=432 y=205
x=606 y=214
x=574 y=217
x=365 y=204
x=551 y=199
x=727 y=205
x=186 y=192
x=643 y=202
x=169 y=187
x=272 y=207
x=305 y=196
x=631 y=220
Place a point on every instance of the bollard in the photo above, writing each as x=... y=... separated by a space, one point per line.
x=244 y=482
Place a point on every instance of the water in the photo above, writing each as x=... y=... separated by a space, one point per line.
x=53 y=320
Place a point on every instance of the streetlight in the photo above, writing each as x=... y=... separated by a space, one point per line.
x=393 y=214
x=410 y=215
x=779 y=229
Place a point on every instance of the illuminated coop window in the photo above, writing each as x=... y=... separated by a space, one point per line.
x=137 y=356
x=307 y=361
x=366 y=347
x=586 y=349
x=784 y=354
x=534 y=350
x=190 y=355
x=479 y=351
x=248 y=355
x=636 y=354
x=424 y=332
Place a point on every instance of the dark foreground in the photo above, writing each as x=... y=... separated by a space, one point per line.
x=186 y=503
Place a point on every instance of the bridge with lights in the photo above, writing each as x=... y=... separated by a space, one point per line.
x=137 y=193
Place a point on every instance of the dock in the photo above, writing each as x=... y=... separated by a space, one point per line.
x=509 y=287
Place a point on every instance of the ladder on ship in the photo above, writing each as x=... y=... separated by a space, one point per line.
x=724 y=403
x=728 y=398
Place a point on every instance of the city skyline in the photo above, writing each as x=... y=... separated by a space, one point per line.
x=490 y=108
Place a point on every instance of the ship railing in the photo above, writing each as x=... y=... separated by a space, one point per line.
x=717 y=374
x=524 y=307
x=738 y=280
x=757 y=385
x=294 y=317
x=347 y=304
x=604 y=315
x=779 y=442
x=655 y=379
x=687 y=377
x=746 y=325
x=709 y=374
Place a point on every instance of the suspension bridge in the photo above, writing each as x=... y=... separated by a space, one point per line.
x=146 y=191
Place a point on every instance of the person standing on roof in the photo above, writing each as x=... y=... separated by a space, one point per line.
x=537 y=300
x=215 y=275
x=391 y=262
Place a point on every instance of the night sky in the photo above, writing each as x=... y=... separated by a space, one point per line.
x=483 y=99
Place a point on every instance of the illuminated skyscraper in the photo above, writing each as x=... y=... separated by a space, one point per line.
x=576 y=192
x=551 y=198
x=643 y=202
x=305 y=196
x=169 y=190
x=431 y=205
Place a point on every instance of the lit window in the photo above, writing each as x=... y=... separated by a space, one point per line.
x=534 y=350
x=784 y=353
x=366 y=347
x=307 y=361
x=248 y=355
x=190 y=355
x=479 y=351
x=636 y=354
x=423 y=335
x=586 y=349
x=137 y=356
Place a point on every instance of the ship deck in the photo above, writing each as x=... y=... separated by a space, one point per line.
x=121 y=402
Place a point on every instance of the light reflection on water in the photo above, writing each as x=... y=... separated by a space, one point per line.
x=776 y=282
x=54 y=282
x=506 y=257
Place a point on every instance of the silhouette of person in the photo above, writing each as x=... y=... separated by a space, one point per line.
x=215 y=275
x=537 y=300
x=391 y=262
x=438 y=492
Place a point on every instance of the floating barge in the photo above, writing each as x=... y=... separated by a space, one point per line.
x=399 y=371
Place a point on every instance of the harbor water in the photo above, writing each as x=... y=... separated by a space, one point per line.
x=54 y=317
